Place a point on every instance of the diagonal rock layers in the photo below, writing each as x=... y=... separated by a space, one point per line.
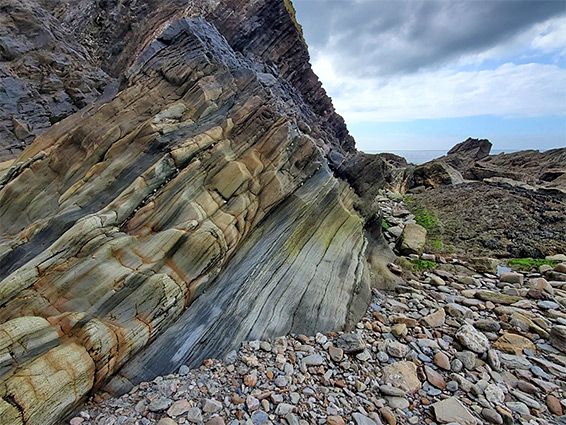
x=193 y=210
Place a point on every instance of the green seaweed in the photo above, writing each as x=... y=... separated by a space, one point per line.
x=421 y=265
x=528 y=263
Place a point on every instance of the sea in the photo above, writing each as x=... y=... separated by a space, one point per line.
x=421 y=156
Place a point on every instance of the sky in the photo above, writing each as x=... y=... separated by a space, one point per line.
x=427 y=74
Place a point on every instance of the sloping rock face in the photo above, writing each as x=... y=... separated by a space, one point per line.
x=193 y=209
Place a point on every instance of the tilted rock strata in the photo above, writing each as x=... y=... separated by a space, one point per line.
x=193 y=187
x=58 y=57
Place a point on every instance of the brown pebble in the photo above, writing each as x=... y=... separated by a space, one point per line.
x=554 y=405
x=442 y=360
x=236 y=399
x=250 y=380
x=336 y=354
x=217 y=420
x=335 y=420
x=527 y=387
x=388 y=416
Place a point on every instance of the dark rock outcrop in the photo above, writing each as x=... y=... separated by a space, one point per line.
x=472 y=148
x=195 y=207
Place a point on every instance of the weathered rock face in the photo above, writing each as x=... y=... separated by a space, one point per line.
x=189 y=211
x=45 y=75
x=57 y=57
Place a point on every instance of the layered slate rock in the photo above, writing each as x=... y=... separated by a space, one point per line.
x=191 y=211
x=57 y=57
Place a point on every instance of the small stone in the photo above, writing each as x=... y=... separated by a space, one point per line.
x=441 y=360
x=217 y=420
x=452 y=386
x=494 y=394
x=487 y=325
x=252 y=403
x=396 y=349
x=548 y=305
x=402 y=375
x=211 y=406
x=335 y=420
x=513 y=344
x=250 y=380
x=514 y=362
x=388 y=416
x=159 y=404
x=435 y=320
x=399 y=330
x=511 y=278
x=364 y=356
x=397 y=402
x=558 y=337
x=458 y=311
x=472 y=339
x=184 y=370
x=260 y=418
x=313 y=360
x=167 y=421
x=336 y=354
x=437 y=281
x=351 y=343
x=451 y=410
x=497 y=297
x=178 y=408
x=554 y=405
x=434 y=377
x=362 y=419
x=556 y=258
x=456 y=365
x=492 y=416
x=76 y=421
x=284 y=408
x=493 y=359
x=292 y=419
x=412 y=240
x=527 y=387
x=518 y=407
x=468 y=359
x=194 y=415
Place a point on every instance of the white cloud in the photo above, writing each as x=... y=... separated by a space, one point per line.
x=511 y=91
x=455 y=90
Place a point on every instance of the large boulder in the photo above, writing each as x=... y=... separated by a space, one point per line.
x=412 y=240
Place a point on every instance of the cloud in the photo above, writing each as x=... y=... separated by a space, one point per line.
x=510 y=90
x=389 y=37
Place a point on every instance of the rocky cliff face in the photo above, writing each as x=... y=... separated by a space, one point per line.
x=57 y=57
x=186 y=210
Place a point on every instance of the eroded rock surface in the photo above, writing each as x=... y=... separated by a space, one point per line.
x=193 y=209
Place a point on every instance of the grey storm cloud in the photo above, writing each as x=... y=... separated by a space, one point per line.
x=383 y=37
